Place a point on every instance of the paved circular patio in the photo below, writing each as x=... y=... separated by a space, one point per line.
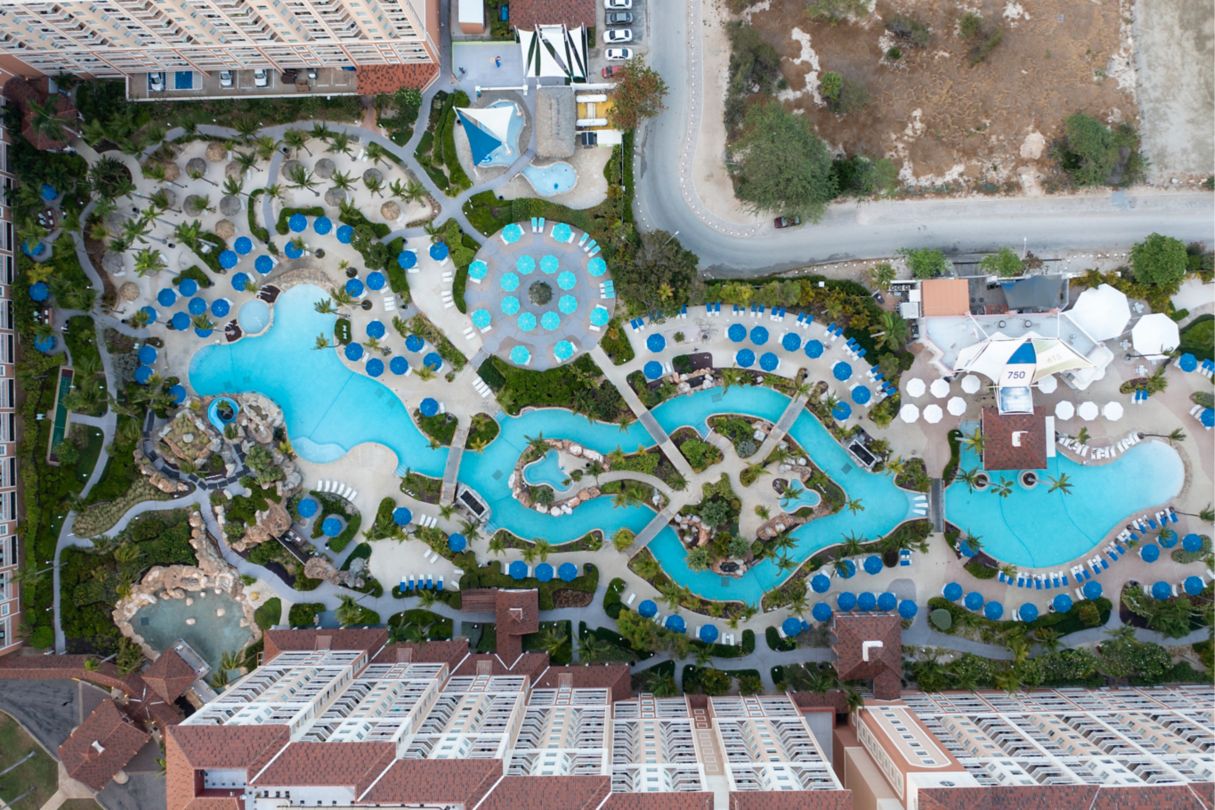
x=539 y=298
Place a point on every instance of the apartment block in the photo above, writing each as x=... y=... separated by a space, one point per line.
x=114 y=38
x=10 y=607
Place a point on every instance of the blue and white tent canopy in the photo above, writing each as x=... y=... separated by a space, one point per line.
x=1020 y=361
x=487 y=130
x=554 y=51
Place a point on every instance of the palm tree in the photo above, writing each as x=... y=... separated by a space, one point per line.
x=265 y=147
x=553 y=638
x=274 y=191
x=45 y=120
x=974 y=441
x=348 y=612
x=897 y=466
x=376 y=153
x=970 y=478
x=1172 y=437
x=246 y=128
x=325 y=307
x=892 y=332
x=374 y=184
x=148 y=261
x=854 y=505
x=414 y=191
x=203 y=323
x=797 y=602
x=497 y=545
x=342 y=180
x=852 y=545
x=1060 y=484
x=188 y=232
x=762 y=512
x=1003 y=487
x=232 y=187
x=300 y=177
x=671 y=595
x=295 y=140
x=246 y=161
x=882 y=274
x=133 y=230
x=321 y=131
x=341 y=298
x=543 y=547
x=732 y=376
x=322 y=342
x=340 y=142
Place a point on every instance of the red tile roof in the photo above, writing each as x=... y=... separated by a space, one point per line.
x=431 y=652
x=342 y=764
x=369 y=639
x=999 y=431
x=516 y=614
x=614 y=677
x=169 y=676
x=101 y=746
x=548 y=792
x=530 y=13
x=435 y=781
x=1056 y=797
x=791 y=800
x=189 y=749
x=885 y=664
x=659 y=801
x=372 y=80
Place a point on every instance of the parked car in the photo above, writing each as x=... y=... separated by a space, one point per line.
x=612 y=70
x=787 y=222
x=611 y=4
x=289 y=76
x=225 y=78
x=619 y=18
x=616 y=35
x=261 y=77
x=618 y=54
x=312 y=74
x=156 y=82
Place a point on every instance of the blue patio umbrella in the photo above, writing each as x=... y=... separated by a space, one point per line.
x=1168 y=538
x=228 y=259
x=398 y=365
x=821 y=612
x=263 y=264
x=563 y=350
x=1092 y=589
x=242 y=245
x=47 y=192
x=353 y=352
x=813 y=349
x=887 y=601
x=510 y=305
x=1028 y=611
x=525 y=264
x=429 y=406
x=656 y=343
x=768 y=361
x=708 y=633
x=653 y=370
x=180 y=321
x=1150 y=553
x=202 y=332
x=509 y=282
x=147 y=354
x=375 y=281
x=526 y=322
x=791 y=625
x=177 y=393
x=354 y=287
x=820 y=583
x=293 y=250
x=647 y=609
x=1208 y=417
x=520 y=355
x=1161 y=590
x=46 y=344
x=866 y=601
x=407 y=259
x=1191 y=543
x=543 y=572
x=402 y=516
x=550 y=321
x=374 y=367
x=240 y=281
x=567 y=280
x=481 y=318
x=562 y=232
x=845 y=600
x=1062 y=603
x=847 y=569
x=861 y=395
x=1188 y=362
x=322 y=225
x=220 y=307
x=438 y=251
x=759 y=335
x=952 y=591
x=676 y=624
x=791 y=341
x=965 y=549
x=568 y=304
x=600 y=316
x=344 y=234
x=307 y=507
x=744 y=358
x=1193 y=585
x=872 y=564
x=973 y=601
x=512 y=233
x=456 y=542
x=433 y=361
x=737 y=332
x=477 y=270
x=517 y=570
x=197 y=305
x=596 y=266
x=908 y=609
x=331 y=526
x=297 y=223
x=187 y=287
x=568 y=572
x=549 y=264
x=841 y=371
x=841 y=411
x=166 y=297
x=375 y=329
x=993 y=610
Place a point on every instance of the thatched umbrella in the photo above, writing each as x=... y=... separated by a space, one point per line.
x=372 y=175
x=170 y=196
x=112 y=263
x=224 y=229
x=196 y=166
x=289 y=167
x=233 y=169
x=195 y=205
x=335 y=197
x=229 y=205
x=324 y=168
x=390 y=211
x=216 y=151
x=114 y=221
x=128 y=292
x=172 y=171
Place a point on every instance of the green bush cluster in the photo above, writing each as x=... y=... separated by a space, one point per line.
x=436 y=150
x=303 y=614
x=579 y=386
x=269 y=613
x=616 y=343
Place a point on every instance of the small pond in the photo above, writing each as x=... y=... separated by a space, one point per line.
x=210 y=635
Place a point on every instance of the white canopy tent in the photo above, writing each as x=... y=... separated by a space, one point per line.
x=914 y=387
x=1064 y=410
x=494 y=126
x=956 y=406
x=1087 y=411
x=1155 y=336
x=933 y=414
x=1102 y=312
x=1112 y=411
x=909 y=412
x=940 y=388
x=554 y=51
x=1020 y=361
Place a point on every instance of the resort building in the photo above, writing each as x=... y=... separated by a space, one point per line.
x=10 y=607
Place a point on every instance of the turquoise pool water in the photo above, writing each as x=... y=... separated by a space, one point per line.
x=164 y=622
x=551 y=180
x=1035 y=528
x=253 y=316
x=328 y=409
x=806 y=497
x=546 y=472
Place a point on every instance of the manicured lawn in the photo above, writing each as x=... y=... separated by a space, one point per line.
x=28 y=785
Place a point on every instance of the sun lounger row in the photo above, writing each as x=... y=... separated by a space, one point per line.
x=713 y=309
x=1036 y=582
x=481 y=388
x=537 y=224
x=411 y=583
x=390 y=302
x=607 y=289
x=1098 y=453
x=920 y=505
x=431 y=556
x=1144 y=524
x=337 y=488
x=1196 y=412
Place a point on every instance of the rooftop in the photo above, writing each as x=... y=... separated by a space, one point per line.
x=870 y=648
x=101 y=746
x=944 y=296
x=530 y=13
x=169 y=676
x=1014 y=441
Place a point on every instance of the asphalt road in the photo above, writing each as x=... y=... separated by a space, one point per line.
x=1053 y=225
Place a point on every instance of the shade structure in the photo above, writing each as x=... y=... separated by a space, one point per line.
x=550 y=321
x=344 y=234
x=952 y=591
x=197 y=305
x=307 y=507
x=1155 y=335
x=563 y=350
x=180 y=321
x=744 y=358
x=177 y=393
x=228 y=259
x=376 y=329
x=46 y=344
x=203 y=332
x=478 y=270
x=956 y=406
x=1092 y=589
x=166 y=297
x=845 y=600
x=263 y=264
x=242 y=245
x=402 y=516
x=939 y=388
x=331 y=526
x=1191 y=543
x=993 y=610
x=647 y=609
x=567 y=280
x=509 y=282
x=375 y=281
x=866 y=601
x=481 y=318
x=768 y=361
x=914 y=387
x=39 y=291
x=965 y=549
x=759 y=335
x=1207 y=418
x=1150 y=552
x=791 y=341
x=887 y=602
x=861 y=395
x=813 y=349
x=297 y=223
x=293 y=250
x=187 y=287
x=791 y=626
x=908 y=609
x=438 y=251
x=821 y=612
x=1064 y=410
x=1102 y=312
x=1193 y=585
x=147 y=354
x=841 y=371
x=429 y=406
x=933 y=414
x=820 y=583
x=971 y=384
x=676 y=624
x=596 y=266
x=1161 y=590
x=398 y=365
x=562 y=232
x=456 y=542
x=433 y=361
x=872 y=564
x=525 y=264
x=549 y=264
x=1027 y=612
x=568 y=572
x=240 y=281
x=220 y=307
x=517 y=570
x=736 y=332
x=1187 y=362
x=510 y=306
x=1168 y=538
x=353 y=352
x=142 y=373
x=512 y=233
x=1112 y=411
x=527 y=321
x=847 y=569
x=841 y=411
x=520 y=355
x=543 y=572
x=909 y=412
x=652 y=370
x=655 y=343
x=600 y=316
x=974 y=600
x=322 y=225
x=487 y=130
x=407 y=259
x=1048 y=385
x=1062 y=603
x=1020 y=361
x=1087 y=411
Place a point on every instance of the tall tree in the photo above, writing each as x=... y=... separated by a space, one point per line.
x=638 y=95
x=781 y=166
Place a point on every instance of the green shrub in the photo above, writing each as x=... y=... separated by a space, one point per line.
x=269 y=613
x=303 y=614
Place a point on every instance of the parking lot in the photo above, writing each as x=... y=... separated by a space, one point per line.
x=192 y=84
x=638 y=27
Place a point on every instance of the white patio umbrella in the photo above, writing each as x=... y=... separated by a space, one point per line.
x=1102 y=312
x=956 y=406
x=1087 y=411
x=1112 y=411
x=1064 y=410
x=971 y=384
x=909 y=413
x=1047 y=385
x=940 y=388
x=933 y=414
x=1155 y=335
x=914 y=387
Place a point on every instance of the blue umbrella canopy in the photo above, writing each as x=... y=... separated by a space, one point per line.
x=1062 y=603
x=653 y=370
x=406 y=259
x=187 y=287
x=398 y=365
x=841 y=371
x=375 y=329
x=543 y=572
x=861 y=395
x=402 y=516
x=745 y=358
x=428 y=406
x=820 y=583
x=549 y=264
x=166 y=297
x=354 y=287
x=908 y=609
x=331 y=526
x=791 y=626
x=1191 y=543
x=414 y=343
x=518 y=570
x=887 y=601
x=952 y=591
x=240 y=281
x=1150 y=553
x=46 y=344
x=297 y=223
x=293 y=250
x=1168 y=538
x=768 y=361
x=841 y=411
x=1092 y=589
x=243 y=245
x=307 y=507
x=1161 y=589
x=647 y=609
x=322 y=225
x=457 y=542
x=596 y=266
x=375 y=280
x=676 y=624
x=974 y=600
x=708 y=633
x=147 y=354
x=1188 y=362
x=759 y=335
x=220 y=307
x=345 y=233
x=178 y=393
x=180 y=321
x=353 y=352
x=813 y=349
x=1208 y=417
x=197 y=305
x=1193 y=585
x=520 y=355
x=993 y=610
x=821 y=611
x=791 y=341
x=737 y=332
x=1028 y=612
x=872 y=564
x=39 y=291
x=433 y=361
x=847 y=569
x=263 y=264
x=656 y=343
x=845 y=600
x=568 y=572
x=143 y=374
x=550 y=320
x=375 y=367
x=228 y=259
x=866 y=601
x=439 y=251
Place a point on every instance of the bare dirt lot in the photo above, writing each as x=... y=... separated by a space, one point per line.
x=950 y=125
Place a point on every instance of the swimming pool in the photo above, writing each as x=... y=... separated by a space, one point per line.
x=804 y=497
x=551 y=180
x=1035 y=528
x=253 y=316
x=163 y=622
x=328 y=409
x=547 y=471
